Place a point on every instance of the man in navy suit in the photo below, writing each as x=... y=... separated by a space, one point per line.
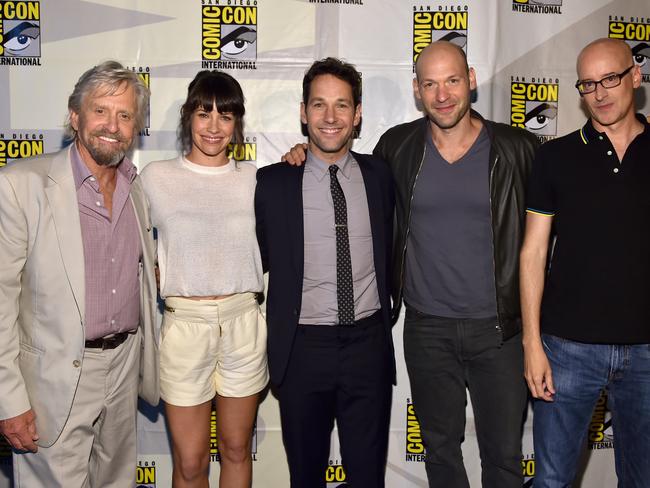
x=325 y=231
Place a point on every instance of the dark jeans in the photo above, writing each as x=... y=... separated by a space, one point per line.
x=342 y=374
x=446 y=356
x=580 y=372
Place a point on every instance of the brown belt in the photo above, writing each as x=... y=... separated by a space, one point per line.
x=109 y=342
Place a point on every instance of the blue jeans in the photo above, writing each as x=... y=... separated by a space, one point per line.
x=580 y=372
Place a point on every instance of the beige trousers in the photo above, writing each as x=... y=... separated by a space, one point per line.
x=97 y=448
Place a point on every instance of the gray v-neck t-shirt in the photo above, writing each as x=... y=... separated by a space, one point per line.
x=449 y=255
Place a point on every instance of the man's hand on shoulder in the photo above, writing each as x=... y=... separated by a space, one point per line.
x=296 y=155
x=20 y=431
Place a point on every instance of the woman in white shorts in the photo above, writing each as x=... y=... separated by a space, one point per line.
x=213 y=339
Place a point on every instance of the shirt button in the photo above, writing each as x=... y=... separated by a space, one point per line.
x=615 y=170
x=600 y=137
x=113 y=322
x=609 y=153
x=113 y=291
x=92 y=178
x=98 y=203
x=112 y=260
x=76 y=363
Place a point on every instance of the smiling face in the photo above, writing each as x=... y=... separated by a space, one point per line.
x=211 y=133
x=330 y=117
x=444 y=84
x=600 y=59
x=106 y=125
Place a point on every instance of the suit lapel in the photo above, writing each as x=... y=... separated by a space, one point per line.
x=375 y=211
x=141 y=211
x=62 y=197
x=373 y=195
x=147 y=276
x=294 y=199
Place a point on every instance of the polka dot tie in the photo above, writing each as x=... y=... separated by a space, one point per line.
x=344 y=291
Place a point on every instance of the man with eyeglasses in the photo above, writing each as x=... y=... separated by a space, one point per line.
x=587 y=323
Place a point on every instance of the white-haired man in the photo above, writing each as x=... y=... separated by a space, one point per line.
x=78 y=295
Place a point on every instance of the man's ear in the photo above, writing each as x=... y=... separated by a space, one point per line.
x=74 y=120
x=303 y=113
x=472 y=79
x=416 y=88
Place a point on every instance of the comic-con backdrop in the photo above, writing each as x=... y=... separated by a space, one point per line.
x=524 y=54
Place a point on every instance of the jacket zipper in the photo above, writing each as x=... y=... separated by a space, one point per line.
x=494 y=264
x=408 y=225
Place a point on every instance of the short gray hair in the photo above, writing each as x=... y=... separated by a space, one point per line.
x=112 y=75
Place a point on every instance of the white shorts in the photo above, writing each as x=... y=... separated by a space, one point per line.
x=210 y=346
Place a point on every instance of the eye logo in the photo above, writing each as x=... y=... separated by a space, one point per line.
x=229 y=35
x=20 y=30
x=445 y=23
x=534 y=106
x=237 y=42
x=19 y=39
x=637 y=36
x=540 y=116
x=641 y=53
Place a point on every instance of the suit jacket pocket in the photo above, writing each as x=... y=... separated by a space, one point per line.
x=28 y=348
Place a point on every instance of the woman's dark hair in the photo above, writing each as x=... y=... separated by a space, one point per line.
x=209 y=89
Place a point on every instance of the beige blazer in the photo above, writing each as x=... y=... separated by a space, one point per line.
x=42 y=293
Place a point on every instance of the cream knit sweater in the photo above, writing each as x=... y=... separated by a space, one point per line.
x=205 y=221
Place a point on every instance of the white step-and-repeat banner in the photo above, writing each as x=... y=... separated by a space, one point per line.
x=524 y=54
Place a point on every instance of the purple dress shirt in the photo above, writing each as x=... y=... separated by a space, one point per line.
x=112 y=251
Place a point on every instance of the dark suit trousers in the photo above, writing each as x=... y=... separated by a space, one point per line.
x=340 y=373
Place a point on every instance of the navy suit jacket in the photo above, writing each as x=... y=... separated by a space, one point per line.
x=278 y=210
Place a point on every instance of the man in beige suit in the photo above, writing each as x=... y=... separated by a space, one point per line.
x=78 y=295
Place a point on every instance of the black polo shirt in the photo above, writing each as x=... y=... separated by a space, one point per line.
x=598 y=287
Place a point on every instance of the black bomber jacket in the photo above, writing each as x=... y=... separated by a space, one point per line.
x=511 y=157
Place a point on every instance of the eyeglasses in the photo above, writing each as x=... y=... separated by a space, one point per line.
x=610 y=81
